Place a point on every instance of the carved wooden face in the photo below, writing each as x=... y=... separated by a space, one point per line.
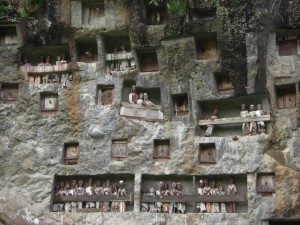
x=50 y=103
x=90 y=181
x=106 y=96
x=119 y=149
x=72 y=151
x=74 y=183
x=213 y=184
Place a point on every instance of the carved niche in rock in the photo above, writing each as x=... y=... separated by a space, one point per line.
x=207 y=153
x=105 y=95
x=265 y=183
x=119 y=149
x=71 y=153
x=9 y=93
x=161 y=149
x=8 y=35
x=181 y=104
x=287 y=45
x=224 y=84
x=286 y=97
x=206 y=49
x=49 y=102
x=148 y=61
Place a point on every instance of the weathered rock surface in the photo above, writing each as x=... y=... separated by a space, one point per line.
x=32 y=142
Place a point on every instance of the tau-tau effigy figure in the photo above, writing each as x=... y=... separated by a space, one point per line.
x=244 y=114
x=147 y=102
x=166 y=205
x=106 y=191
x=80 y=191
x=210 y=128
x=122 y=192
x=144 y=205
x=152 y=193
x=140 y=101
x=214 y=191
x=73 y=191
x=133 y=97
x=173 y=205
x=89 y=190
x=59 y=191
x=207 y=192
x=180 y=205
x=253 y=126
x=260 y=125
x=158 y=192
x=222 y=204
x=115 y=206
x=41 y=63
x=200 y=207
x=231 y=191
x=99 y=191
x=68 y=206
x=26 y=67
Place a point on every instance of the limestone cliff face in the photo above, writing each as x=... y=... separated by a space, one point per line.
x=32 y=142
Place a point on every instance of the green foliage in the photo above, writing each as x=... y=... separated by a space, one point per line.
x=14 y=10
x=155 y=2
x=178 y=6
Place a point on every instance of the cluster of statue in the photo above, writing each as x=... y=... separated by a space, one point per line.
x=78 y=189
x=252 y=128
x=44 y=65
x=215 y=207
x=141 y=99
x=180 y=207
x=121 y=60
x=249 y=128
x=164 y=207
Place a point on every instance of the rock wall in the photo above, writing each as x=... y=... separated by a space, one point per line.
x=32 y=142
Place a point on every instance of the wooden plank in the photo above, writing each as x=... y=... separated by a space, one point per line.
x=92 y=198
x=259 y=190
x=49 y=72
x=142 y=114
x=195 y=198
x=234 y=120
x=88 y=210
x=128 y=105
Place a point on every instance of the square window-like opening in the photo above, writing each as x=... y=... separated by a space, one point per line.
x=161 y=149
x=105 y=94
x=181 y=104
x=287 y=45
x=224 y=84
x=156 y=14
x=265 y=183
x=148 y=61
x=118 y=52
x=87 y=50
x=119 y=149
x=286 y=97
x=71 y=153
x=8 y=35
x=202 y=10
x=49 y=102
x=206 y=48
x=93 y=12
x=9 y=93
x=207 y=153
